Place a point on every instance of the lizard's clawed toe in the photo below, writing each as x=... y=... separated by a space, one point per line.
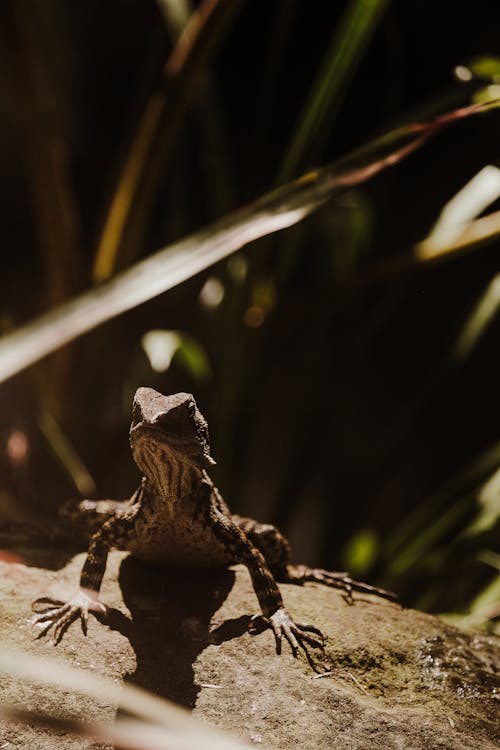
x=348 y=585
x=59 y=615
x=312 y=635
x=297 y=635
x=45 y=603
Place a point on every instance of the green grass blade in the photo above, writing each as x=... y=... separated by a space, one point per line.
x=435 y=515
x=349 y=42
x=480 y=318
x=157 y=135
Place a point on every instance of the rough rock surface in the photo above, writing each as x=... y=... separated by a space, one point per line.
x=400 y=678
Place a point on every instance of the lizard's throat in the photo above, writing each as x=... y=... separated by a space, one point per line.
x=171 y=477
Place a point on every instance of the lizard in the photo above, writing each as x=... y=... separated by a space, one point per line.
x=178 y=516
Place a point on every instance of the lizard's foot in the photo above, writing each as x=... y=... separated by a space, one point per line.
x=302 y=573
x=298 y=636
x=58 y=614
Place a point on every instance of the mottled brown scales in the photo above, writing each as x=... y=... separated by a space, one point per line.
x=178 y=516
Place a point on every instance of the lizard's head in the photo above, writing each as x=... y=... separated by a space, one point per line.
x=172 y=425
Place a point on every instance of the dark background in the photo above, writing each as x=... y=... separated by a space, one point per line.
x=343 y=417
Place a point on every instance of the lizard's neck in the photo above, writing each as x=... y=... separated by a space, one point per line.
x=171 y=478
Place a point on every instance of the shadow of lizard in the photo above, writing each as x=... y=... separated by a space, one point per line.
x=163 y=604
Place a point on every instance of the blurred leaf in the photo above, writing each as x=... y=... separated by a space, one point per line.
x=160 y=347
x=361 y=551
x=157 y=133
x=485 y=66
x=490 y=558
x=192 y=358
x=264 y=293
x=163 y=347
x=237 y=266
x=212 y=293
x=482 y=190
x=182 y=730
x=489 y=502
x=474 y=233
x=127 y=734
x=36 y=51
x=355 y=29
x=437 y=514
x=487 y=94
x=489 y=597
x=436 y=530
x=67 y=454
x=181 y=260
x=176 y=14
x=38 y=48
x=483 y=314
x=483 y=611
x=452 y=233
x=349 y=226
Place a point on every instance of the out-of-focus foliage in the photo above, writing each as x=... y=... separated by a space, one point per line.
x=281 y=208
x=361 y=551
x=347 y=366
x=156 y=723
x=163 y=347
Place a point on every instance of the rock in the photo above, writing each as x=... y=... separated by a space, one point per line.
x=399 y=678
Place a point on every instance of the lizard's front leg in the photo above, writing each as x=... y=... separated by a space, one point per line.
x=60 y=614
x=275 y=615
